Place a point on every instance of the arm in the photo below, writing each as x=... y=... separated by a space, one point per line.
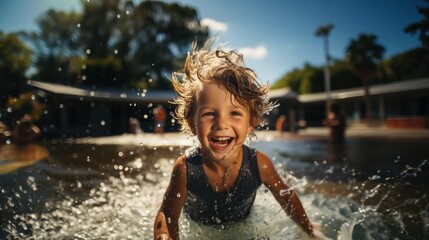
x=286 y=197
x=166 y=224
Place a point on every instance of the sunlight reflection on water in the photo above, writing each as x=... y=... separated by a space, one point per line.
x=91 y=190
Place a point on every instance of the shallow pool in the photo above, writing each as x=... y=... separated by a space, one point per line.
x=111 y=188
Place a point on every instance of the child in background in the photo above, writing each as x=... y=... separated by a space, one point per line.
x=221 y=102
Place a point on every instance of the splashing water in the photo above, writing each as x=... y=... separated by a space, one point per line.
x=116 y=196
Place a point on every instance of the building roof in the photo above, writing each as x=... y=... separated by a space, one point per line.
x=103 y=94
x=282 y=93
x=146 y=96
x=380 y=89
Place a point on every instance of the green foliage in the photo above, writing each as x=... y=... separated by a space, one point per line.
x=310 y=78
x=25 y=104
x=363 y=55
x=291 y=80
x=102 y=72
x=15 y=59
x=117 y=43
x=421 y=27
x=409 y=65
x=342 y=76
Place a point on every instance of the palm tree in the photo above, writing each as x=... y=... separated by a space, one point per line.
x=363 y=55
x=422 y=27
x=323 y=31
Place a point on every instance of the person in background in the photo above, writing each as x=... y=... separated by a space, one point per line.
x=135 y=126
x=25 y=131
x=336 y=122
x=4 y=133
x=280 y=124
x=160 y=116
x=221 y=102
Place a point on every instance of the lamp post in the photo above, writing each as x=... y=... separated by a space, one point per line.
x=323 y=31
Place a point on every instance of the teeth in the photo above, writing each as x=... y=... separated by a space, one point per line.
x=221 y=138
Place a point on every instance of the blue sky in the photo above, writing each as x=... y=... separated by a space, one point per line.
x=275 y=36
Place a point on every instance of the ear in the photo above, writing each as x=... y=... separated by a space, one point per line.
x=249 y=129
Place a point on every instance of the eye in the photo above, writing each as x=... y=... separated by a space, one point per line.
x=208 y=114
x=236 y=113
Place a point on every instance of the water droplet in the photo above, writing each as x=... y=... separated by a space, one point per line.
x=88 y=51
x=283 y=192
x=178 y=195
x=375 y=177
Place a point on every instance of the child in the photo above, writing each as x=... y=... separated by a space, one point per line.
x=220 y=101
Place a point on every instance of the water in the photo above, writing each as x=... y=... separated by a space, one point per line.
x=111 y=188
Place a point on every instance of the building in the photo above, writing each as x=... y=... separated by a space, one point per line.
x=78 y=111
x=405 y=101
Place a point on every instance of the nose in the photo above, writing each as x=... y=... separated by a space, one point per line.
x=222 y=122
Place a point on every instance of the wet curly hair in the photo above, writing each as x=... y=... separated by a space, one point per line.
x=227 y=70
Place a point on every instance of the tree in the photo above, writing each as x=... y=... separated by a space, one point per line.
x=311 y=79
x=363 y=55
x=342 y=77
x=117 y=43
x=55 y=45
x=422 y=27
x=15 y=59
x=411 y=64
x=142 y=42
x=162 y=35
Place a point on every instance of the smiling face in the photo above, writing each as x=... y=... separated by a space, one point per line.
x=221 y=124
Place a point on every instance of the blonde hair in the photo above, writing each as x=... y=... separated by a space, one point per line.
x=227 y=70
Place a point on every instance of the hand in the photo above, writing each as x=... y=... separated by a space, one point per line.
x=163 y=236
x=317 y=232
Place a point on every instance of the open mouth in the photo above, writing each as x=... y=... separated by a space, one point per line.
x=221 y=141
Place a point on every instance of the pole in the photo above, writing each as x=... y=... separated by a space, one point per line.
x=327 y=75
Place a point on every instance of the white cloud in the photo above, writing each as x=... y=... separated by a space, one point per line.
x=214 y=25
x=256 y=53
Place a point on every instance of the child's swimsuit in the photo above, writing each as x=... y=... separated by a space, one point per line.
x=205 y=205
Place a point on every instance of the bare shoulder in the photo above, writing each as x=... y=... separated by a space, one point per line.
x=266 y=168
x=178 y=179
x=264 y=161
x=179 y=166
